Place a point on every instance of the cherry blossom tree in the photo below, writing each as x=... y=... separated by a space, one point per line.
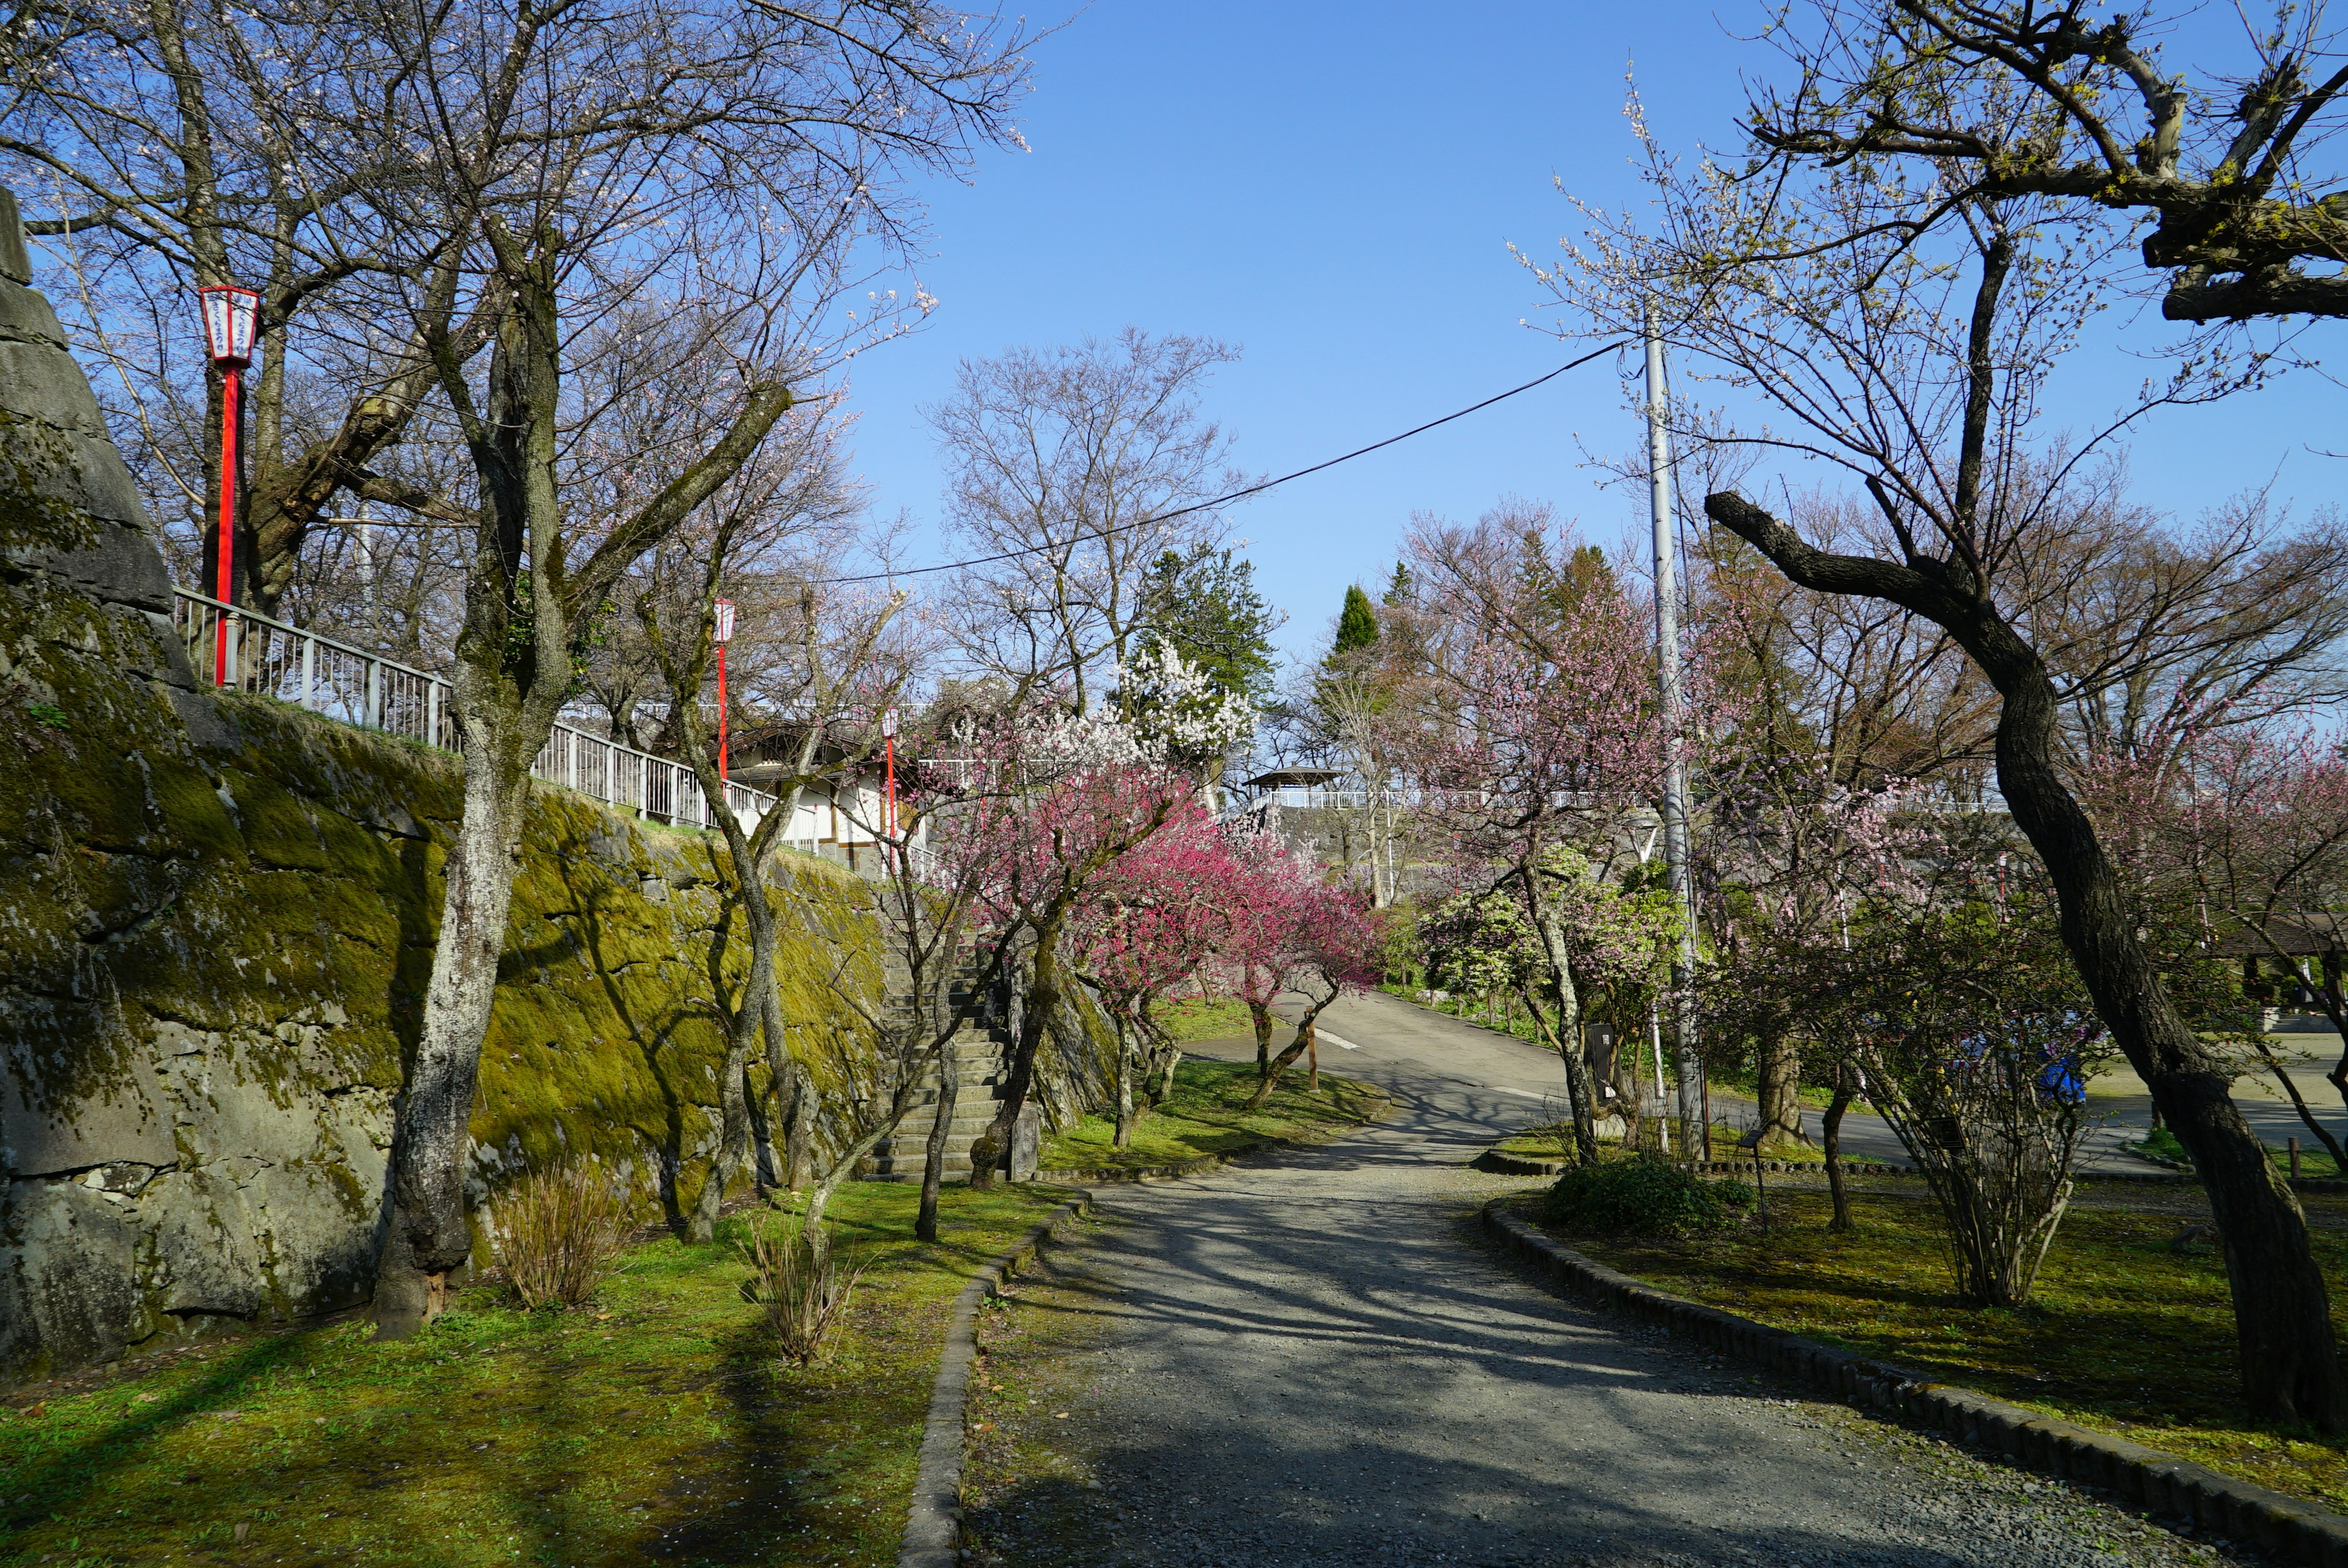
x=2235 y=836
x=1330 y=948
x=1268 y=883
x=1553 y=751
x=1071 y=793
x=1154 y=921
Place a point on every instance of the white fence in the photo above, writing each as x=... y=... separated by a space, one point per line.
x=376 y=693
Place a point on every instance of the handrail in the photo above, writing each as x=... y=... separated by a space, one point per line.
x=373 y=692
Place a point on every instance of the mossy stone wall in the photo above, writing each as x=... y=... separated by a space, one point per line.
x=216 y=923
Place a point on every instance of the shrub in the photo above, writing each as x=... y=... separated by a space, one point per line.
x=1642 y=1197
x=804 y=1289
x=563 y=1230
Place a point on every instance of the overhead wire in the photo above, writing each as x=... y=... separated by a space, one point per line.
x=1255 y=489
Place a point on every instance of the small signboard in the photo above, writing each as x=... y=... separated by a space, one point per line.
x=724 y=621
x=889 y=721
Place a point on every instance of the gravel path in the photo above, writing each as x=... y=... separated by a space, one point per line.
x=1313 y=1360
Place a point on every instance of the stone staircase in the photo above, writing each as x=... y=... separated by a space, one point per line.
x=979 y=1051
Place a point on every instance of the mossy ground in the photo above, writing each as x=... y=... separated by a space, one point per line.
x=2315 y=1162
x=1208 y=1115
x=1204 y=1018
x=655 y=1426
x=2124 y=1335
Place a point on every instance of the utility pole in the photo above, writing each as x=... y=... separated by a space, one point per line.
x=1676 y=802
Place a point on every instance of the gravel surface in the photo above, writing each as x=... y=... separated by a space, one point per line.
x=1313 y=1359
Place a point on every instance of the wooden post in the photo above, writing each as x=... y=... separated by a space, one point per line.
x=2292 y=1144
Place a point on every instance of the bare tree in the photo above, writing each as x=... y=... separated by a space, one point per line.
x=1067 y=464
x=2066 y=102
x=708 y=171
x=1919 y=371
x=178 y=145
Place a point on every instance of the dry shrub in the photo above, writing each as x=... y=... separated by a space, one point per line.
x=804 y=1289
x=563 y=1230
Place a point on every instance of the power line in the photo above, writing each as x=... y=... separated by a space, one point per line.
x=1251 y=490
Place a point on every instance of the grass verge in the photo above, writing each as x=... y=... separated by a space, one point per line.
x=1208 y=1115
x=1205 y=1017
x=2124 y=1335
x=655 y=1426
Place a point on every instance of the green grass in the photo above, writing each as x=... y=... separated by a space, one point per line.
x=1208 y=1115
x=1205 y=1017
x=656 y=1424
x=2122 y=1335
x=2315 y=1162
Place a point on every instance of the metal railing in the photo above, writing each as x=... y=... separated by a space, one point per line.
x=373 y=692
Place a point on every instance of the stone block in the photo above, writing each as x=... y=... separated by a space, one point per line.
x=42 y=382
x=1026 y=1141
x=207 y=1254
x=25 y=316
x=68 y=1293
x=117 y=1121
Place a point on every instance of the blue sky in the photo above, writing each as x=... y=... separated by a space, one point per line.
x=1333 y=190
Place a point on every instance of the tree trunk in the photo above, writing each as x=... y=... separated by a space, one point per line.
x=427 y=1236
x=2289 y=1359
x=798 y=1124
x=1296 y=1048
x=732 y=1149
x=1777 y=1086
x=1041 y=997
x=1123 y=1136
x=934 y=1152
x=1830 y=1136
x=1312 y=1062
x=1260 y=1013
x=1580 y=1091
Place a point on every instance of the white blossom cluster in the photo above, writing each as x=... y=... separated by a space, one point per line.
x=1178 y=707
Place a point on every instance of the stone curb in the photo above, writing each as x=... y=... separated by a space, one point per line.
x=933 y=1537
x=2292 y=1530
x=1499 y=1164
x=1505 y=1165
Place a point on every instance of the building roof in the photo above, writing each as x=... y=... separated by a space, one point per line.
x=1278 y=778
x=2300 y=936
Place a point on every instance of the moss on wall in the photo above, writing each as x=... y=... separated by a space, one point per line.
x=216 y=925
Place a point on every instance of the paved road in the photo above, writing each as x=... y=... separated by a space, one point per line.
x=1309 y=1360
x=2121 y=1104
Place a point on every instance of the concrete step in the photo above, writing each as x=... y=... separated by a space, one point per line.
x=973 y=1078
x=926 y=1091
x=966 y=1123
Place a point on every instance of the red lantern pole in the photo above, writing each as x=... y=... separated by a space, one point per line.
x=721 y=635
x=227 y=579
x=889 y=743
x=232 y=319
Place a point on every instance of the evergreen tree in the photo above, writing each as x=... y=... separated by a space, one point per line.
x=1357 y=624
x=1204 y=603
x=1400 y=588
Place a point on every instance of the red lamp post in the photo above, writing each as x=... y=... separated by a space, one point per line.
x=723 y=635
x=889 y=743
x=231 y=320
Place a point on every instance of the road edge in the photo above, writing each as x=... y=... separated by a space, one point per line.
x=2158 y=1482
x=933 y=1537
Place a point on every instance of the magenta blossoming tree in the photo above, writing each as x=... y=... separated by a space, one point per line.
x=1154 y=919
x=1330 y=947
